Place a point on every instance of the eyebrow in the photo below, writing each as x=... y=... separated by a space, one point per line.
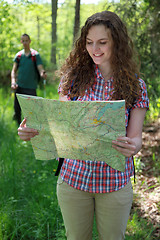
x=98 y=39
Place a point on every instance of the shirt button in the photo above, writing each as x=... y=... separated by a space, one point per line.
x=106 y=87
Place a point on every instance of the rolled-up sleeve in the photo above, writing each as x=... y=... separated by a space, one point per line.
x=143 y=101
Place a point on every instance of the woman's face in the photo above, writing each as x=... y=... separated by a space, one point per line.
x=99 y=44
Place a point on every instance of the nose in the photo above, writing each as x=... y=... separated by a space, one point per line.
x=95 y=47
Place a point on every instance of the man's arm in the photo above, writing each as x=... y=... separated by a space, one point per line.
x=42 y=71
x=13 y=76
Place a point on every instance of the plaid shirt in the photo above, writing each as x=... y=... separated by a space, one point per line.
x=98 y=176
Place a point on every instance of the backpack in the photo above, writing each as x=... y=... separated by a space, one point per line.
x=33 y=57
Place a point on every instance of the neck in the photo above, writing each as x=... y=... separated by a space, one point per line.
x=27 y=50
x=106 y=71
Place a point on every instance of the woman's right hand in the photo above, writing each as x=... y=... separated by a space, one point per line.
x=26 y=133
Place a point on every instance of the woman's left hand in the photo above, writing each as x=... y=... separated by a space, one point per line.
x=124 y=145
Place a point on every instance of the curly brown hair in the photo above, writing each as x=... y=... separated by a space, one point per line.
x=78 y=69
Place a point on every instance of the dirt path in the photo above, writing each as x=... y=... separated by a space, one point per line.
x=147 y=187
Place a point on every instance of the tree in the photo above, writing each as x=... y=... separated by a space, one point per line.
x=8 y=35
x=76 y=20
x=54 y=32
x=143 y=23
x=154 y=34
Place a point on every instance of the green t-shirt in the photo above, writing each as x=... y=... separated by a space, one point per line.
x=27 y=69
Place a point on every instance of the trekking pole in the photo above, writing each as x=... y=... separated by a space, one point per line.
x=44 y=86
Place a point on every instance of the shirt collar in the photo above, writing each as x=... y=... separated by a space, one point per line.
x=99 y=74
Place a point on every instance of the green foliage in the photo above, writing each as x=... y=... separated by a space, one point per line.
x=28 y=203
x=65 y=22
x=154 y=112
x=138 y=228
x=34 y=18
x=8 y=36
x=143 y=23
x=139 y=165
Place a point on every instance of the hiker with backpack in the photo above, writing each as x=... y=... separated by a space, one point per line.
x=28 y=63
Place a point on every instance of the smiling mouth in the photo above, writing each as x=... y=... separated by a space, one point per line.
x=98 y=55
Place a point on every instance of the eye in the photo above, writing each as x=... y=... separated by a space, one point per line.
x=103 y=43
x=88 y=42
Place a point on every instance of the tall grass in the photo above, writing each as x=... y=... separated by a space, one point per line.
x=28 y=204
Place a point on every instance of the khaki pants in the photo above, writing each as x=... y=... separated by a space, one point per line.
x=78 y=209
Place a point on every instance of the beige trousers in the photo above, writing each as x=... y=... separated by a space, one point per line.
x=78 y=208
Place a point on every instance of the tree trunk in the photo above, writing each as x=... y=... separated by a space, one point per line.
x=77 y=20
x=54 y=32
x=38 y=32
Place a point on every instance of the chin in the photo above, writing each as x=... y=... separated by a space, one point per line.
x=97 y=61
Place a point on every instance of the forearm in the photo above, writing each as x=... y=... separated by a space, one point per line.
x=14 y=85
x=42 y=72
x=13 y=77
x=138 y=144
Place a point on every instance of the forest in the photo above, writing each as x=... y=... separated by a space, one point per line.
x=28 y=203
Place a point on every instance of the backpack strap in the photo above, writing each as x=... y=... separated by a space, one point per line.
x=33 y=55
x=134 y=171
x=33 y=58
x=60 y=163
x=19 y=54
x=133 y=157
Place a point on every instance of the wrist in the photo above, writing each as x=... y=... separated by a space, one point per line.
x=13 y=85
x=138 y=145
x=13 y=80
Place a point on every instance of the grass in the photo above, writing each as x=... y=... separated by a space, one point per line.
x=139 y=228
x=28 y=204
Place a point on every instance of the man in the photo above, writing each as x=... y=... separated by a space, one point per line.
x=28 y=63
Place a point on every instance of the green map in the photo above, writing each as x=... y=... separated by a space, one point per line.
x=75 y=129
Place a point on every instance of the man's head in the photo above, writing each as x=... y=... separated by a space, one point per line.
x=25 y=40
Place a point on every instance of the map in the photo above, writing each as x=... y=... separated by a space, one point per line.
x=75 y=129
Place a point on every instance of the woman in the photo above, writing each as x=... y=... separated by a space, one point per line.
x=100 y=67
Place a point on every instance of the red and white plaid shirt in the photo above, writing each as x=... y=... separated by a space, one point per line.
x=98 y=176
